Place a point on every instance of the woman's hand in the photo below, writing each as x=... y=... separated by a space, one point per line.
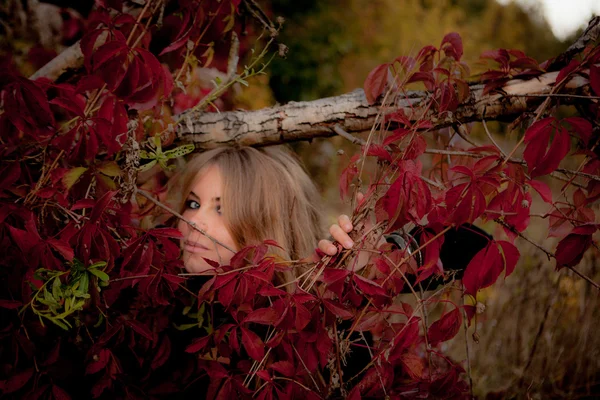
x=339 y=233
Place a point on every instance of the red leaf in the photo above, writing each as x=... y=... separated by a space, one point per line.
x=271 y=291
x=162 y=353
x=9 y=174
x=285 y=368
x=10 y=304
x=253 y=344
x=375 y=82
x=331 y=275
x=140 y=328
x=101 y=205
x=581 y=126
x=197 y=345
x=379 y=151
x=347 y=176
x=16 y=381
x=264 y=375
x=99 y=362
x=60 y=394
x=483 y=270
x=369 y=287
x=542 y=189
x=470 y=311
x=226 y=293
x=62 y=247
x=571 y=249
x=265 y=316
x=452 y=46
x=511 y=256
x=370 y=321
x=566 y=71
x=414 y=365
x=185 y=28
x=166 y=232
x=543 y=154
x=467 y=201
x=445 y=328
x=337 y=309
x=302 y=317
x=354 y=394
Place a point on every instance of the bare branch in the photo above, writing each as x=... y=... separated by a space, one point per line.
x=352 y=113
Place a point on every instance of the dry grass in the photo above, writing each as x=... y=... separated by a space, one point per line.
x=538 y=335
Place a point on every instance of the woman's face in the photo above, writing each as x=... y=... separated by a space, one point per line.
x=203 y=207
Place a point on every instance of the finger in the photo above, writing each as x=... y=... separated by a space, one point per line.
x=345 y=223
x=327 y=247
x=359 y=197
x=341 y=236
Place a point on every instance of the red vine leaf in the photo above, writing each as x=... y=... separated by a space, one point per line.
x=570 y=250
x=452 y=46
x=445 y=328
x=99 y=361
x=253 y=344
x=484 y=269
x=375 y=82
x=544 y=153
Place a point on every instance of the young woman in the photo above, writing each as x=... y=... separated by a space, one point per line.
x=243 y=196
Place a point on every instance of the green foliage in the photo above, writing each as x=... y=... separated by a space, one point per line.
x=63 y=293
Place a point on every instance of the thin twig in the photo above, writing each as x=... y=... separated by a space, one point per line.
x=487 y=131
x=337 y=129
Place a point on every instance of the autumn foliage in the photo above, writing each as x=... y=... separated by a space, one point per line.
x=94 y=304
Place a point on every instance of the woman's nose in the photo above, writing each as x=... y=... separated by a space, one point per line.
x=200 y=221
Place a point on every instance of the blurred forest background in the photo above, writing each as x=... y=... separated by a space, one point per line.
x=536 y=338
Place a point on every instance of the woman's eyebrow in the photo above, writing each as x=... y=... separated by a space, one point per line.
x=215 y=199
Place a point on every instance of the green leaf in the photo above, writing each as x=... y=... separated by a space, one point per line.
x=103 y=276
x=147 y=166
x=78 y=305
x=184 y=327
x=98 y=264
x=84 y=284
x=73 y=176
x=110 y=169
x=100 y=320
x=56 y=291
x=46 y=302
x=179 y=151
x=59 y=323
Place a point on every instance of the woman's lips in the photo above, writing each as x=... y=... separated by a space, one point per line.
x=192 y=247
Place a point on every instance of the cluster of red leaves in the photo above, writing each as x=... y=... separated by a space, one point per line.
x=61 y=171
x=485 y=185
x=479 y=184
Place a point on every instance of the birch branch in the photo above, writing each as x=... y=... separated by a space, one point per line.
x=307 y=120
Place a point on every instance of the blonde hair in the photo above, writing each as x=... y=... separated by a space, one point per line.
x=267 y=194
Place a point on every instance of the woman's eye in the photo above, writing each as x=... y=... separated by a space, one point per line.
x=219 y=209
x=192 y=204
